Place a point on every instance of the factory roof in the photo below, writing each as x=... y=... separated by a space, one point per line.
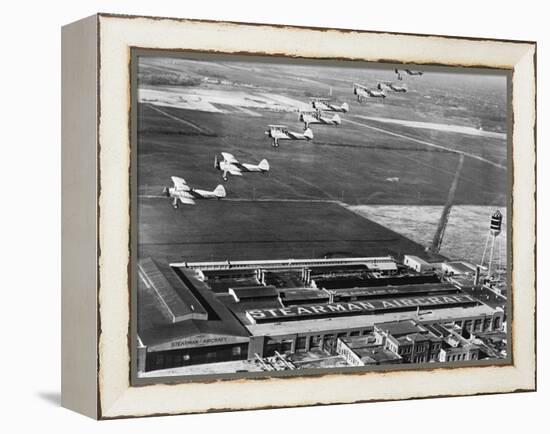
x=253 y=292
x=383 y=266
x=359 y=341
x=459 y=267
x=354 y=282
x=393 y=290
x=189 y=329
x=377 y=355
x=153 y=331
x=282 y=263
x=298 y=294
x=416 y=259
x=178 y=301
x=217 y=273
x=400 y=328
x=370 y=352
x=328 y=325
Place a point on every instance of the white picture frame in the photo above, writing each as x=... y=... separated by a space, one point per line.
x=96 y=260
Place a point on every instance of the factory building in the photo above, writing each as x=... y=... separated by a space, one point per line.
x=180 y=323
x=194 y=313
x=408 y=342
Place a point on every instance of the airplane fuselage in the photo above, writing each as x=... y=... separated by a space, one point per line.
x=188 y=195
x=308 y=119
x=192 y=193
x=368 y=93
x=392 y=87
x=241 y=167
x=318 y=105
x=285 y=135
x=398 y=88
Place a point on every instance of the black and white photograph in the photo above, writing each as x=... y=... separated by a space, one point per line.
x=297 y=215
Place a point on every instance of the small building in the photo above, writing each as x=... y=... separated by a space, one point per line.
x=459 y=353
x=458 y=268
x=410 y=340
x=456 y=348
x=420 y=265
x=363 y=350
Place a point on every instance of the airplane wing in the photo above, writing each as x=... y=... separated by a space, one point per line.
x=229 y=158
x=179 y=183
x=186 y=200
x=360 y=86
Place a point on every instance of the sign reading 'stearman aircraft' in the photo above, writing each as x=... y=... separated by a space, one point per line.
x=355 y=308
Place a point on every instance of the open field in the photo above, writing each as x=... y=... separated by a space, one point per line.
x=237 y=230
x=348 y=163
x=204 y=108
x=465 y=234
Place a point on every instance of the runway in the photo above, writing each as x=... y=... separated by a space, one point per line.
x=423 y=142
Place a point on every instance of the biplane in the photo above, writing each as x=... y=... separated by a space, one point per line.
x=281 y=132
x=187 y=195
x=229 y=165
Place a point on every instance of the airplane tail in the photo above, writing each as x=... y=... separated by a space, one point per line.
x=308 y=134
x=336 y=119
x=264 y=165
x=219 y=191
x=345 y=107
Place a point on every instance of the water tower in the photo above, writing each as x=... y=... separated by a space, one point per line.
x=494 y=231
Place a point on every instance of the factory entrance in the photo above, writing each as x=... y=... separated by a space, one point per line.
x=329 y=344
x=283 y=346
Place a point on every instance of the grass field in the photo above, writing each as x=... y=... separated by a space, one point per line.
x=346 y=163
x=181 y=129
x=466 y=231
x=236 y=230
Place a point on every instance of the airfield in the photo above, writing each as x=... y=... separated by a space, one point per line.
x=402 y=151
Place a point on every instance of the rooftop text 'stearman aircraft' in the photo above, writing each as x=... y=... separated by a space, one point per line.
x=325 y=105
x=363 y=92
x=316 y=117
x=230 y=165
x=187 y=195
x=388 y=85
x=280 y=132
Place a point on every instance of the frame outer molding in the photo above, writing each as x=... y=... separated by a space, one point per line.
x=79 y=107
x=96 y=216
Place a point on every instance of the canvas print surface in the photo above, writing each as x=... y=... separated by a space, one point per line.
x=296 y=215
